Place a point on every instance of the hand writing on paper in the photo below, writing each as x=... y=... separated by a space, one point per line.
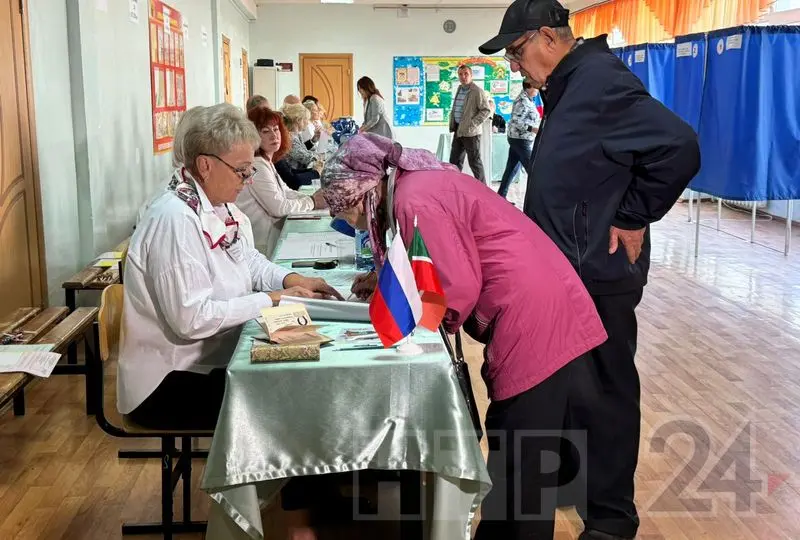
x=631 y=240
x=364 y=285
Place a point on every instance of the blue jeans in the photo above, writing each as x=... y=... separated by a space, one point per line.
x=519 y=154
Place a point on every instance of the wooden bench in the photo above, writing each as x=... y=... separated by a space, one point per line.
x=55 y=326
x=92 y=278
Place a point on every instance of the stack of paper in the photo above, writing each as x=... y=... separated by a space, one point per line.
x=331 y=310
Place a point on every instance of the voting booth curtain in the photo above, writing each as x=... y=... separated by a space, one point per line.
x=749 y=125
x=654 y=64
x=689 y=76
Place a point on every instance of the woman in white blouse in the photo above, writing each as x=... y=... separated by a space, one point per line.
x=268 y=200
x=193 y=277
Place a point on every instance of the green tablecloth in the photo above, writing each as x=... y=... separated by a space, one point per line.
x=350 y=411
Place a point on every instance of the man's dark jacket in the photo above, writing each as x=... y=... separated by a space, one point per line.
x=607 y=153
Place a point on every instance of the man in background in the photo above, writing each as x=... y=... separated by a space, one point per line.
x=522 y=129
x=470 y=110
x=257 y=101
x=608 y=161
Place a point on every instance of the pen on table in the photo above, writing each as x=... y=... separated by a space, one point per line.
x=362 y=348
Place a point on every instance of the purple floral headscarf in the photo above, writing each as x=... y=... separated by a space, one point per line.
x=354 y=172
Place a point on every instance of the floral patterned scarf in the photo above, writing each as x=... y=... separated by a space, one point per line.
x=354 y=172
x=219 y=230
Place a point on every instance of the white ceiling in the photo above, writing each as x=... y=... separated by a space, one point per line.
x=573 y=5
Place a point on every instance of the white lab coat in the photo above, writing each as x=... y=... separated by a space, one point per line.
x=185 y=303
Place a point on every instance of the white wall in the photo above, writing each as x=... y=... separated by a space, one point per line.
x=91 y=87
x=53 y=111
x=374 y=37
x=234 y=25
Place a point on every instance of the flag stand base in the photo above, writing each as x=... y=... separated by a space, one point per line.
x=409 y=348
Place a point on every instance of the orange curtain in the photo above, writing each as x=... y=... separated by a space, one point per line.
x=643 y=21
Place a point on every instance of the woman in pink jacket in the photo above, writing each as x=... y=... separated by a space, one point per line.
x=511 y=289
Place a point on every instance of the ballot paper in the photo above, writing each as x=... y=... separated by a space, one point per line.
x=290 y=324
x=308 y=247
x=331 y=310
x=34 y=359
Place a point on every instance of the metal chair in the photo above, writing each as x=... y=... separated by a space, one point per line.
x=175 y=464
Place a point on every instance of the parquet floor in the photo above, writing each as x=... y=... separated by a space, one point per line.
x=719 y=357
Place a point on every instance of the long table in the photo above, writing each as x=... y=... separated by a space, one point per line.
x=351 y=411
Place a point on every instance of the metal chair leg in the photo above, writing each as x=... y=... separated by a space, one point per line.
x=19 y=403
x=168 y=449
x=186 y=473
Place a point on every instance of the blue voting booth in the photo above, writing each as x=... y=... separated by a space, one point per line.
x=749 y=124
x=689 y=77
x=654 y=64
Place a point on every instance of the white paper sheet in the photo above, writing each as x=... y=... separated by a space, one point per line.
x=303 y=247
x=33 y=359
x=331 y=310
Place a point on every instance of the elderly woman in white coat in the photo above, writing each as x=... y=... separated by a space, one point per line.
x=193 y=277
x=267 y=200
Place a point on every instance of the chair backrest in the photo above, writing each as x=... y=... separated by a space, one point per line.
x=110 y=319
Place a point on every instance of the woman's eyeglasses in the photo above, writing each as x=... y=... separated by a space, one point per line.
x=244 y=173
x=514 y=54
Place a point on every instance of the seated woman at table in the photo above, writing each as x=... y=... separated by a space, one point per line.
x=297 y=118
x=509 y=286
x=267 y=200
x=193 y=277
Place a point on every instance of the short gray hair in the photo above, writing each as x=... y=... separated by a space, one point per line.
x=564 y=33
x=212 y=130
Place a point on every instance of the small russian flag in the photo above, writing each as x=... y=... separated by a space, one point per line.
x=396 y=307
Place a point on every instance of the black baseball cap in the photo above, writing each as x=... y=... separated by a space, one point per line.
x=524 y=16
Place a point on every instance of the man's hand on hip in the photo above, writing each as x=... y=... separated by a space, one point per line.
x=631 y=240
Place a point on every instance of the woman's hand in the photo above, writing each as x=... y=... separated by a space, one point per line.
x=316 y=285
x=364 y=285
x=319 y=200
x=297 y=292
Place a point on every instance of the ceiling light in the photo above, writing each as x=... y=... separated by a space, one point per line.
x=336 y=1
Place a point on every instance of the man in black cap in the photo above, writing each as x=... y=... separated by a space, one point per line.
x=608 y=161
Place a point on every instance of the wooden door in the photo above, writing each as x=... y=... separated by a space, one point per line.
x=22 y=280
x=226 y=69
x=245 y=77
x=329 y=77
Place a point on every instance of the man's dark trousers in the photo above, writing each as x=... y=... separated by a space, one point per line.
x=607 y=406
x=472 y=147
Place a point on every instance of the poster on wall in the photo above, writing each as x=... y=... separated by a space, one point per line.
x=424 y=86
x=167 y=73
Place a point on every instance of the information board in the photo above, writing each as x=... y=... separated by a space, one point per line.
x=424 y=86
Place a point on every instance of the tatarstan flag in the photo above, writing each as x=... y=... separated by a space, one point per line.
x=430 y=289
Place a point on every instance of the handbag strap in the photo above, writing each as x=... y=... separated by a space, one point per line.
x=459 y=349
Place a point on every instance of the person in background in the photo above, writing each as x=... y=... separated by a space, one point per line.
x=510 y=288
x=608 y=161
x=296 y=118
x=257 y=101
x=522 y=129
x=193 y=277
x=291 y=99
x=267 y=200
x=313 y=131
x=376 y=119
x=470 y=109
